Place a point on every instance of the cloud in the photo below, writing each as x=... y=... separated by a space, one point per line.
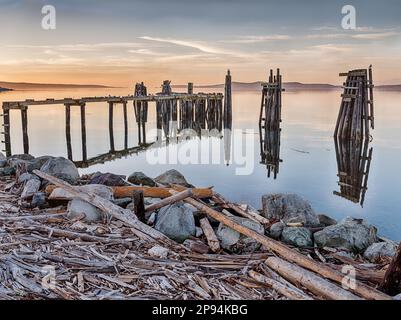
x=375 y=36
x=201 y=46
x=80 y=47
x=257 y=39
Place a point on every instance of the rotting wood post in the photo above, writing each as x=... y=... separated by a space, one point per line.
x=392 y=279
x=24 y=122
x=111 y=131
x=125 y=124
x=139 y=205
x=83 y=131
x=227 y=102
x=6 y=125
x=68 y=130
x=190 y=88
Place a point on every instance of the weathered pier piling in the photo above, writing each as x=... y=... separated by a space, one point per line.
x=269 y=123
x=356 y=113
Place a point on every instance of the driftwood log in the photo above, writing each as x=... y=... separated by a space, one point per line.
x=309 y=280
x=170 y=200
x=289 y=292
x=152 y=192
x=392 y=279
x=211 y=237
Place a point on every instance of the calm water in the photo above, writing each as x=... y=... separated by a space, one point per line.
x=308 y=125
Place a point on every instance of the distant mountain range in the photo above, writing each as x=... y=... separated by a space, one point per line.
x=44 y=86
x=289 y=86
x=236 y=86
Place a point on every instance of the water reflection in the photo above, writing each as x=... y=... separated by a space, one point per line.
x=353 y=161
x=270 y=150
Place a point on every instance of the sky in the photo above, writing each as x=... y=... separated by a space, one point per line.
x=122 y=42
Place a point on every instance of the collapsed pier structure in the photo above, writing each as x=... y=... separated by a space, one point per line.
x=352 y=135
x=185 y=110
x=269 y=123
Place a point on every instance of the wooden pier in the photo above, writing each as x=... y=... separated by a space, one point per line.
x=196 y=111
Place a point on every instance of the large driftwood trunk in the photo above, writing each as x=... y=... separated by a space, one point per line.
x=289 y=292
x=152 y=192
x=309 y=280
x=392 y=279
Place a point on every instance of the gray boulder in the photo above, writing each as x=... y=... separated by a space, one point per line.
x=61 y=168
x=37 y=163
x=172 y=177
x=23 y=156
x=108 y=179
x=7 y=171
x=397 y=297
x=326 y=221
x=39 y=200
x=290 y=208
x=25 y=177
x=176 y=221
x=380 y=250
x=233 y=241
x=139 y=178
x=350 y=233
x=276 y=229
x=78 y=208
x=31 y=187
x=298 y=237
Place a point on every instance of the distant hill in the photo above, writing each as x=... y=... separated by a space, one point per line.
x=289 y=86
x=256 y=86
x=44 y=86
x=4 y=89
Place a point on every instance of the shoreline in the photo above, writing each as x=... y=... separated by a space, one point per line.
x=176 y=224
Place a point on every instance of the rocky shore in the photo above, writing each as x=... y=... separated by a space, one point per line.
x=96 y=254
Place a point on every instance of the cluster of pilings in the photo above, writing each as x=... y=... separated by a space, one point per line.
x=270 y=123
x=356 y=114
x=352 y=135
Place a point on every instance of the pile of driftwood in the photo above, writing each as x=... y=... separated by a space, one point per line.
x=45 y=255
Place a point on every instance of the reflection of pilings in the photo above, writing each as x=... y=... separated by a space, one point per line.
x=111 y=155
x=270 y=150
x=68 y=130
x=24 y=122
x=353 y=161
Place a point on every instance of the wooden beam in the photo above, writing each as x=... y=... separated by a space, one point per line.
x=309 y=280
